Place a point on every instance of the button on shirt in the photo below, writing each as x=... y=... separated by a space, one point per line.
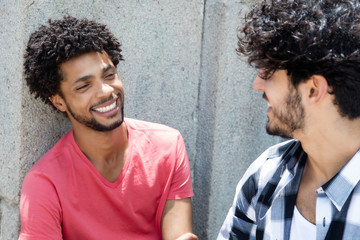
x=266 y=195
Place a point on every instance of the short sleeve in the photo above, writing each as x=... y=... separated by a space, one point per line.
x=181 y=186
x=40 y=209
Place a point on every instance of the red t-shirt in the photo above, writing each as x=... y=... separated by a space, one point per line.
x=65 y=197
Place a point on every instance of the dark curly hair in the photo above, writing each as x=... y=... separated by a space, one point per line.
x=308 y=37
x=62 y=40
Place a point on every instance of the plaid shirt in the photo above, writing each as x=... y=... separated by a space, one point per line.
x=265 y=198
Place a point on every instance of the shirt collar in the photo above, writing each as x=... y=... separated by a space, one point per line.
x=339 y=188
x=295 y=156
x=289 y=153
x=291 y=164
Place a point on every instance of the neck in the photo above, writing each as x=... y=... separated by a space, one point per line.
x=330 y=146
x=102 y=146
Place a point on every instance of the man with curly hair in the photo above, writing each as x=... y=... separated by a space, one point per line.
x=110 y=177
x=308 y=56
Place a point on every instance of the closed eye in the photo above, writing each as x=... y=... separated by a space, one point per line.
x=82 y=87
x=110 y=76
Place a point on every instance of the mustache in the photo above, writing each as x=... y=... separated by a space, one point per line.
x=111 y=97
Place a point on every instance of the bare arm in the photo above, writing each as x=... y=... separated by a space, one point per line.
x=176 y=221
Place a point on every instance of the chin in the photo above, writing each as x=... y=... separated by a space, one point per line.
x=97 y=126
x=277 y=131
x=111 y=127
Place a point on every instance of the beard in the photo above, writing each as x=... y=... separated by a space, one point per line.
x=92 y=123
x=288 y=119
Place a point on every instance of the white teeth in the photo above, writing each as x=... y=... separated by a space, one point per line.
x=106 y=109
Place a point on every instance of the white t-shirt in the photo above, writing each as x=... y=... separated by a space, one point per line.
x=301 y=228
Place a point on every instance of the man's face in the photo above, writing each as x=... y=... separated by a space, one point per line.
x=92 y=92
x=285 y=112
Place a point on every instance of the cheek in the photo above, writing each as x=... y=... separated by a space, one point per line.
x=120 y=87
x=81 y=103
x=118 y=83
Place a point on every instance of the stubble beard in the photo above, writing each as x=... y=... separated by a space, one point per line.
x=286 y=121
x=92 y=123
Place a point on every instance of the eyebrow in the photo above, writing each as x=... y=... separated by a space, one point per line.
x=84 y=78
x=107 y=68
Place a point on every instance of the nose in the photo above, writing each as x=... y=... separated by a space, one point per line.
x=104 y=90
x=259 y=83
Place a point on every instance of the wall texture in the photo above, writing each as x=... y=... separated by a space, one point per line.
x=180 y=69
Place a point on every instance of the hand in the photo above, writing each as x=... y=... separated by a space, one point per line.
x=188 y=236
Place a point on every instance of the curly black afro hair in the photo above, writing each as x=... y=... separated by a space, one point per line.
x=308 y=37
x=63 y=39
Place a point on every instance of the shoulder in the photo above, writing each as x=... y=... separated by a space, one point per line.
x=263 y=168
x=151 y=131
x=141 y=125
x=272 y=156
x=55 y=159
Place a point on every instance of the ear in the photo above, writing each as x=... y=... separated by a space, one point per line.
x=317 y=88
x=58 y=102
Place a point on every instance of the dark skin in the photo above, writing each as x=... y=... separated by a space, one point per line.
x=92 y=92
x=86 y=86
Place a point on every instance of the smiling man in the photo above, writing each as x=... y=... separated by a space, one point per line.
x=110 y=177
x=308 y=56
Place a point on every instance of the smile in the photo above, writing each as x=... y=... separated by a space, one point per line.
x=106 y=109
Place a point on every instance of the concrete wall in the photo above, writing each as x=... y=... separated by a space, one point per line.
x=180 y=69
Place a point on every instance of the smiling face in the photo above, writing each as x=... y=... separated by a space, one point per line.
x=91 y=92
x=285 y=112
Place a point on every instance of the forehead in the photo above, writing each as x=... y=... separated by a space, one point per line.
x=87 y=64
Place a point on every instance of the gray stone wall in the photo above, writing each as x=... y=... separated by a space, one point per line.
x=180 y=69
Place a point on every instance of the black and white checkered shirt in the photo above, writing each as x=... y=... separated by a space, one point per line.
x=265 y=198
